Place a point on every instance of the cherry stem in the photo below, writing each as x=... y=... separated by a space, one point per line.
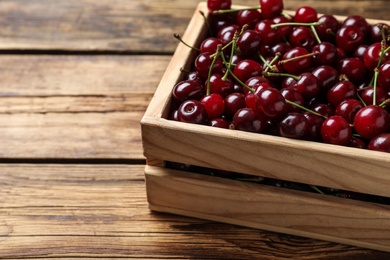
x=376 y=73
x=313 y=28
x=298 y=57
x=234 y=37
x=234 y=76
x=295 y=24
x=361 y=100
x=177 y=36
x=228 y=66
x=219 y=50
x=280 y=74
x=385 y=103
x=317 y=189
x=184 y=70
x=270 y=64
x=304 y=108
x=206 y=21
x=237 y=10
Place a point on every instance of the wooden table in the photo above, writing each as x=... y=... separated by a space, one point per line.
x=76 y=78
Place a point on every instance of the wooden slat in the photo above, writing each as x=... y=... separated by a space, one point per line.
x=121 y=25
x=95 y=211
x=75 y=107
x=61 y=75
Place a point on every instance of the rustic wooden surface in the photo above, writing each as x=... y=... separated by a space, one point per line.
x=76 y=77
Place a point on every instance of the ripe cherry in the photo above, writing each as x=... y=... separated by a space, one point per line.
x=192 y=111
x=380 y=143
x=384 y=76
x=348 y=38
x=246 y=69
x=271 y=102
x=249 y=18
x=215 y=5
x=248 y=43
x=214 y=105
x=305 y=14
x=371 y=121
x=187 y=89
x=296 y=61
x=341 y=91
x=373 y=55
x=348 y=109
x=336 y=130
x=294 y=125
x=246 y=119
x=271 y=8
x=234 y=102
x=203 y=63
x=220 y=85
x=219 y=122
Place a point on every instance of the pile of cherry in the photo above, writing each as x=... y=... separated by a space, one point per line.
x=303 y=76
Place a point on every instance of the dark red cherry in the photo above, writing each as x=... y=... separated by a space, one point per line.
x=271 y=102
x=294 y=125
x=295 y=61
x=307 y=85
x=284 y=31
x=328 y=28
x=326 y=54
x=256 y=82
x=336 y=130
x=203 y=63
x=271 y=8
x=348 y=109
x=215 y=5
x=248 y=43
x=210 y=44
x=371 y=121
x=219 y=122
x=384 y=76
x=294 y=96
x=349 y=38
x=226 y=34
x=373 y=55
x=315 y=123
x=353 y=69
x=302 y=36
x=214 y=105
x=305 y=14
x=323 y=109
x=248 y=17
x=360 y=51
x=220 y=85
x=279 y=48
x=268 y=35
x=246 y=119
x=327 y=76
x=375 y=32
x=358 y=21
x=246 y=69
x=368 y=95
x=380 y=143
x=357 y=143
x=187 y=89
x=341 y=91
x=234 y=102
x=192 y=111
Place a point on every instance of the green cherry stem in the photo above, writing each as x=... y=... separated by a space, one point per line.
x=295 y=24
x=304 y=108
x=219 y=50
x=385 y=103
x=280 y=74
x=229 y=65
x=206 y=22
x=313 y=28
x=177 y=36
x=376 y=73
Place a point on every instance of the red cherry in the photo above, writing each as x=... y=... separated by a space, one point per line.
x=192 y=111
x=271 y=8
x=203 y=63
x=271 y=102
x=305 y=14
x=245 y=119
x=348 y=38
x=294 y=125
x=246 y=69
x=341 y=91
x=373 y=54
x=380 y=143
x=384 y=76
x=348 y=109
x=336 y=130
x=214 y=105
x=187 y=89
x=219 y=122
x=215 y=5
x=248 y=17
x=371 y=121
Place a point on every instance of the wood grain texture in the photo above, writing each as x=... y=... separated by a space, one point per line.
x=101 y=211
x=67 y=107
x=120 y=25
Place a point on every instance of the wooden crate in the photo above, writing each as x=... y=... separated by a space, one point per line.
x=294 y=212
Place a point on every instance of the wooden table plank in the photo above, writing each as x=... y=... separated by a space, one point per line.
x=80 y=75
x=95 y=211
x=121 y=25
x=75 y=107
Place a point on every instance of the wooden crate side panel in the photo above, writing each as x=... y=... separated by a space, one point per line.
x=268 y=156
x=304 y=214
